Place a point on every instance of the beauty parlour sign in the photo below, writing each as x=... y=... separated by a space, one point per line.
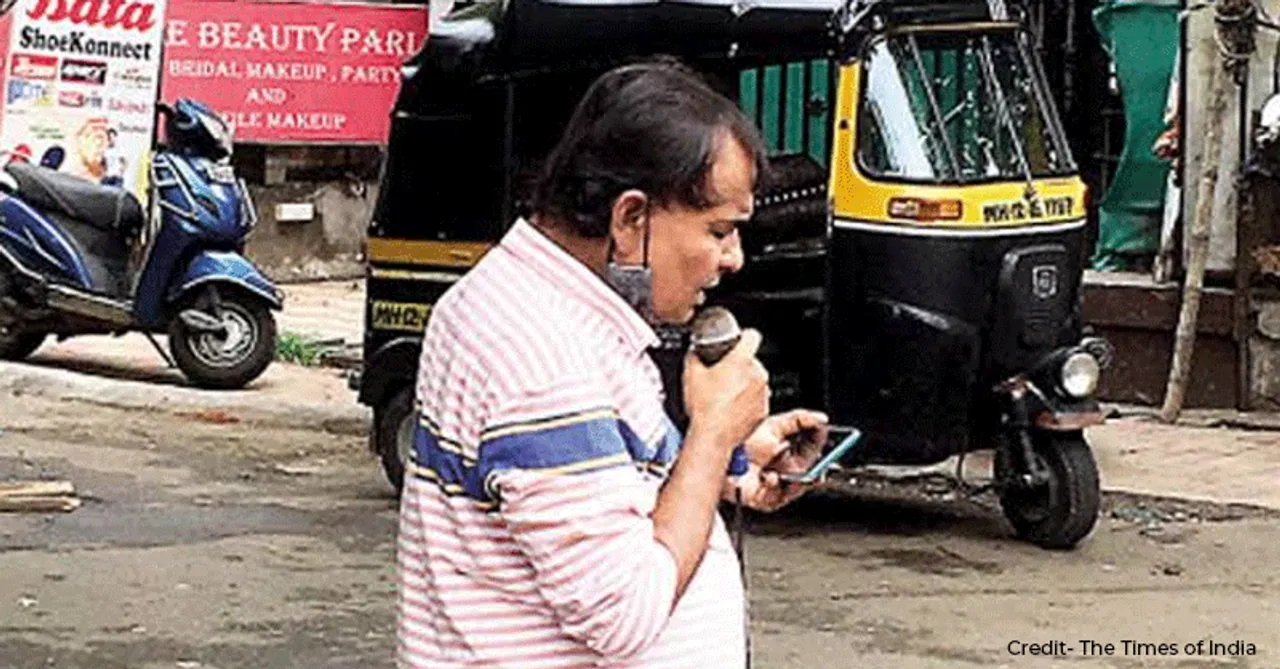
x=292 y=72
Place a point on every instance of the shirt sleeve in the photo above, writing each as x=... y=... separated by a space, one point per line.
x=581 y=512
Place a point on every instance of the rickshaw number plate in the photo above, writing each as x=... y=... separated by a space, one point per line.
x=1044 y=281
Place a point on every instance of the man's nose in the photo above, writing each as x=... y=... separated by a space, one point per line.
x=732 y=259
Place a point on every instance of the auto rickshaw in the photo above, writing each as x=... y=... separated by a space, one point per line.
x=915 y=259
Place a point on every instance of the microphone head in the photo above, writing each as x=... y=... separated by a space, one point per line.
x=713 y=333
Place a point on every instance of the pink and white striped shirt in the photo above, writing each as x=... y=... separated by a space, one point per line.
x=526 y=537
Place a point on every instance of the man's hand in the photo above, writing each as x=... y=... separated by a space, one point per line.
x=786 y=443
x=808 y=429
x=728 y=400
x=764 y=490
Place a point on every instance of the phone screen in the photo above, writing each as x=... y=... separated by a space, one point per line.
x=824 y=463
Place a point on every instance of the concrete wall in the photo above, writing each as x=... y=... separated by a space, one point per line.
x=327 y=195
x=1264 y=305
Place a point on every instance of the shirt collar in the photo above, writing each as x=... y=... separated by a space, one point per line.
x=538 y=252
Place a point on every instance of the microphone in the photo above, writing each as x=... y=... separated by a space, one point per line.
x=713 y=333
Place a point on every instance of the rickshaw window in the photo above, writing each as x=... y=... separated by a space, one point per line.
x=956 y=107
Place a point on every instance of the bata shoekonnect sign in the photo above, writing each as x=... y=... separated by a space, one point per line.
x=80 y=84
x=292 y=71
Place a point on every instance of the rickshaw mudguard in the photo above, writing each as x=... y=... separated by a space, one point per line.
x=1075 y=421
x=1055 y=414
x=389 y=368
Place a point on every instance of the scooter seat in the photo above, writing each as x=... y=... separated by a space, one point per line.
x=110 y=209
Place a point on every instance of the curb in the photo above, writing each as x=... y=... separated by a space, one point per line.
x=1262 y=421
x=250 y=406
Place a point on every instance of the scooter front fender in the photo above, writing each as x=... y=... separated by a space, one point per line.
x=228 y=268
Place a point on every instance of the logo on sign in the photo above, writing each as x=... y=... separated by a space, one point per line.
x=128 y=106
x=84 y=72
x=21 y=90
x=136 y=15
x=70 y=99
x=28 y=66
x=1044 y=281
x=132 y=77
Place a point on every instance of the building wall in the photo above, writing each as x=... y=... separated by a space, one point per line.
x=337 y=186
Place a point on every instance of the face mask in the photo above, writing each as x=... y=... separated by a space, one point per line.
x=633 y=283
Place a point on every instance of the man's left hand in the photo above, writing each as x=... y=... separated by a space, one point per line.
x=786 y=443
x=808 y=429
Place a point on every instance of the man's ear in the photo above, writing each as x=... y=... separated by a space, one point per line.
x=627 y=223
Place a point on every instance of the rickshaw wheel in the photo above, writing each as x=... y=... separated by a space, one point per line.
x=1063 y=511
x=393 y=435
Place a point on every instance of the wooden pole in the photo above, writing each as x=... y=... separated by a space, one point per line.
x=1198 y=250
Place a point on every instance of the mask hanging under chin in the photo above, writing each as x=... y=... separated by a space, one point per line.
x=634 y=284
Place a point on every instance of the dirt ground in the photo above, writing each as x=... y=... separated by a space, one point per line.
x=207 y=542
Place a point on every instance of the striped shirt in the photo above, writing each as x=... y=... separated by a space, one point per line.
x=526 y=532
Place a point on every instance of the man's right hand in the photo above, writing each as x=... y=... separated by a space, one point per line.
x=728 y=400
x=725 y=403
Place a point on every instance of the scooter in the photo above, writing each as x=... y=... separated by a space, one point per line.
x=79 y=258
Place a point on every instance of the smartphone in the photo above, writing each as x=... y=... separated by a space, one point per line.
x=815 y=472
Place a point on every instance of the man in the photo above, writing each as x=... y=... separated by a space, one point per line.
x=91 y=147
x=552 y=516
x=115 y=163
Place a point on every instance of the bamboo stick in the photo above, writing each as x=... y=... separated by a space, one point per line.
x=1198 y=251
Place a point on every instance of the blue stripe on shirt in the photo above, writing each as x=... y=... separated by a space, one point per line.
x=572 y=444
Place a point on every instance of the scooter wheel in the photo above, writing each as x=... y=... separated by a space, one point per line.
x=230 y=359
x=1063 y=511
x=393 y=435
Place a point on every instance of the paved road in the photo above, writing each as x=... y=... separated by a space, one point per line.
x=205 y=543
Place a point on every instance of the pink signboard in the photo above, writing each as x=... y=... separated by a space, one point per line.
x=292 y=71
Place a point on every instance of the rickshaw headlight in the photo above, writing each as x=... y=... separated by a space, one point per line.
x=1080 y=372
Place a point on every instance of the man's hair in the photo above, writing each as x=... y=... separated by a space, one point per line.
x=655 y=126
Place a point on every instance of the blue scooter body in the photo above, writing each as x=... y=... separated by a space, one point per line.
x=67 y=262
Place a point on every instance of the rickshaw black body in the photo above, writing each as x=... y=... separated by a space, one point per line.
x=918 y=346
x=933 y=346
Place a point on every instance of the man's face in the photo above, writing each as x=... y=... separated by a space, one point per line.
x=91 y=145
x=691 y=249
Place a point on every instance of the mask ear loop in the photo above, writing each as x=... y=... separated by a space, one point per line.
x=648 y=232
